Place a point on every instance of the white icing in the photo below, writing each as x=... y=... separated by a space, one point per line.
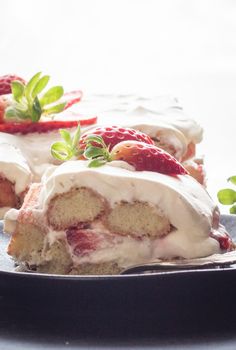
x=3 y=211
x=10 y=220
x=157 y=117
x=14 y=167
x=35 y=150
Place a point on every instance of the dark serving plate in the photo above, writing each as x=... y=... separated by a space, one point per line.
x=166 y=298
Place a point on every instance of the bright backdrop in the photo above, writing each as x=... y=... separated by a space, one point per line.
x=186 y=48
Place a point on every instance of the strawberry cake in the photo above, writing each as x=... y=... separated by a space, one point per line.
x=113 y=209
x=30 y=119
x=83 y=220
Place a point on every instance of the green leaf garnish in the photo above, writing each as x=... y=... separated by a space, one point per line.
x=93 y=152
x=76 y=138
x=61 y=151
x=95 y=163
x=17 y=90
x=232 y=179
x=68 y=148
x=65 y=134
x=30 y=101
x=36 y=110
x=31 y=84
x=54 y=109
x=232 y=210
x=227 y=196
x=40 y=85
x=96 y=151
x=52 y=95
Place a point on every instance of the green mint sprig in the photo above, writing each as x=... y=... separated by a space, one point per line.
x=95 y=148
x=96 y=151
x=68 y=148
x=30 y=101
x=227 y=196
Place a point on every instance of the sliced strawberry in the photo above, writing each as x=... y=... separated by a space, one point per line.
x=82 y=241
x=147 y=157
x=2 y=109
x=46 y=126
x=223 y=238
x=5 y=83
x=114 y=134
x=71 y=98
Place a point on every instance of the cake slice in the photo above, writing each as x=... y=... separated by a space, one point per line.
x=83 y=220
x=15 y=177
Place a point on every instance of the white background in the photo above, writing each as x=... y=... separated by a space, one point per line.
x=183 y=47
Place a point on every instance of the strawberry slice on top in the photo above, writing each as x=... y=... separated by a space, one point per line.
x=142 y=156
x=33 y=110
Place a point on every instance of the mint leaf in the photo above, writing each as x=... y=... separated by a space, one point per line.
x=76 y=137
x=40 y=85
x=36 y=110
x=61 y=151
x=226 y=196
x=10 y=112
x=232 y=210
x=30 y=86
x=93 y=152
x=17 y=89
x=15 y=113
x=95 y=163
x=66 y=136
x=55 y=109
x=94 y=138
x=232 y=179
x=68 y=148
x=52 y=95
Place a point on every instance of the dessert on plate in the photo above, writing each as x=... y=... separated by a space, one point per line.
x=116 y=207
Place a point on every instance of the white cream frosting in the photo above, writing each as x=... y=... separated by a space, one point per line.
x=157 y=117
x=182 y=199
x=150 y=115
x=13 y=166
x=34 y=149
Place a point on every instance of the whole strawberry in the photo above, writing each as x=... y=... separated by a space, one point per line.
x=112 y=135
x=5 y=83
x=142 y=156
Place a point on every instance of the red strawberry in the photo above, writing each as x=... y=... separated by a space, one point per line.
x=71 y=98
x=46 y=126
x=5 y=83
x=114 y=134
x=2 y=108
x=223 y=238
x=147 y=157
x=82 y=241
